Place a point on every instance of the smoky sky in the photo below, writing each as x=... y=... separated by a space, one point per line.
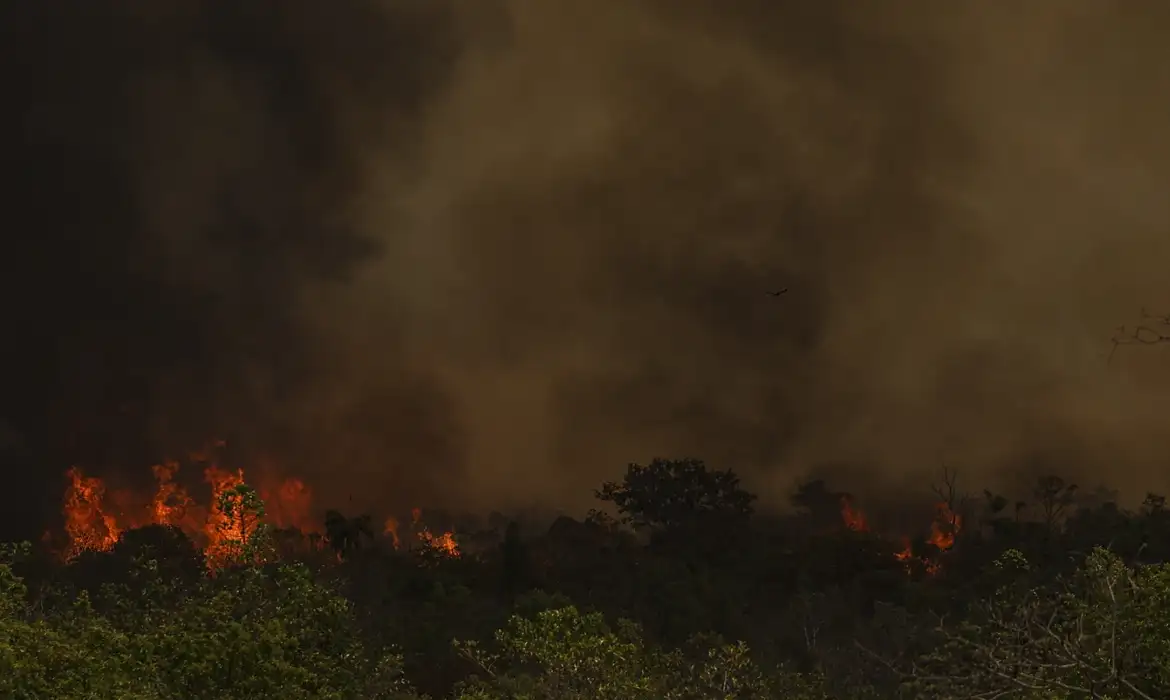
x=484 y=254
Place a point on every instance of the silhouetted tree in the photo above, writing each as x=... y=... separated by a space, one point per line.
x=672 y=494
x=347 y=535
x=1054 y=498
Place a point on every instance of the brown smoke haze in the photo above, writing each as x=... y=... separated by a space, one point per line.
x=483 y=254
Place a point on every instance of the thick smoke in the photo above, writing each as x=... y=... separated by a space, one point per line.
x=483 y=254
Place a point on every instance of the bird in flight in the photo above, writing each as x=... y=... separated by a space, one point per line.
x=776 y=294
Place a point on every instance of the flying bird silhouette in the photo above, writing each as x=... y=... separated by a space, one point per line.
x=776 y=294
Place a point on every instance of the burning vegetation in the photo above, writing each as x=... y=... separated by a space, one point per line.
x=96 y=517
x=941 y=538
x=829 y=583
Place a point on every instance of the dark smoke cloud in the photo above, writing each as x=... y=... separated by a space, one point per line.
x=484 y=254
x=178 y=176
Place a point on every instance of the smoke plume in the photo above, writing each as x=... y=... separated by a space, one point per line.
x=484 y=254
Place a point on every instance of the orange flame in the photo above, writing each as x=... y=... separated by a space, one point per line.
x=87 y=524
x=225 y=535
x=944 y=528
x=942 y=532
x=854 y=517
x=443 y=544
x=390 y=529
x=95 y=517
x=171 y=504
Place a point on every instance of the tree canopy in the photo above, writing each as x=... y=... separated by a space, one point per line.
x=1055 y=595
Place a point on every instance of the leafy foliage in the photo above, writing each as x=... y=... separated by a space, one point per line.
x=73 y=654
x=670 y=494
x=562 y=654
x=247 y=632
x=1063 y=597
x=1102 y=632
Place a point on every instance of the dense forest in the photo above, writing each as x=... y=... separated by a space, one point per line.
x=677 y=586
x=400 y=256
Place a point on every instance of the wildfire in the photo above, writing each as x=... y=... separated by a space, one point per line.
x=87 y=524
x=854 y=518
x=444 y=543
x=226 y=532
x=390 y=529
x=95 y=517
x=906 y=552
x=943 y=529
x=171 y=504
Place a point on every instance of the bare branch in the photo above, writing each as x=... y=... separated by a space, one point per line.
x=1153 y=330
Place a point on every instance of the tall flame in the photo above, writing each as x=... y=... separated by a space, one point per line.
x=224 y=535
x=87 y=524
x=390 y=529
x=95 y=517
x=171 y=505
